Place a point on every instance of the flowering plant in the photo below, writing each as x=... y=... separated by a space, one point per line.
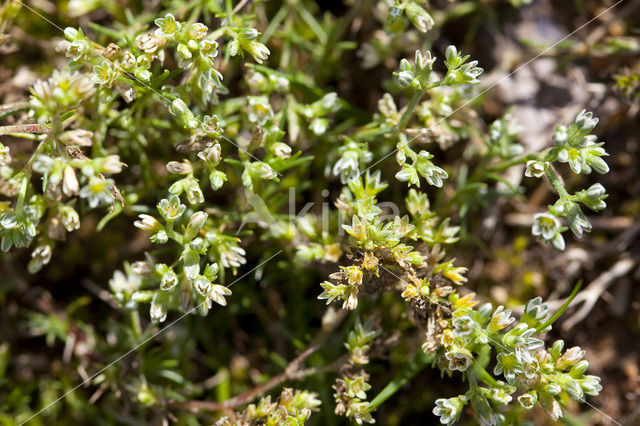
x=162 y=166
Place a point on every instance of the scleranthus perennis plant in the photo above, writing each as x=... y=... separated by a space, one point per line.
x=170 y=151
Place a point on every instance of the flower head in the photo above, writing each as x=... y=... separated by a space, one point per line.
x=460 y=358
x=449 y=410
x=98 y=191
x=171 y=209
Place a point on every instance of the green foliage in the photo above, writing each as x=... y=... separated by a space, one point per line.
x=164 y=123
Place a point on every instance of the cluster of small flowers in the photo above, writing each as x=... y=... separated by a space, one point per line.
x=573 y=144
x=578 y=147
x=379 y=242
x=317 y=113
x=57 y=157
x=503 y=135
x=396 y=36
x=351 y=388
x=293 y=408
x=63 y=90
x=353 y=156
x=417 y=76
x=536 y=374
x=436 y=114
x=61 y=179
x=420 y=163
x=245 y=39
x=266 y=83
x=265 y=121
x=197 y=238
x=628 y=83
x=420 y=18
x=196 y=51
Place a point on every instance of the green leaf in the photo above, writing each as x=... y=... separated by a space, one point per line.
x=564 y=306
x=417 y=364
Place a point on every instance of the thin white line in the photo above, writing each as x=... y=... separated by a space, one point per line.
x=142 y=343
x=498 y=82
x=602 y=412
x=185 y=314
x=163 y=97
x=506 y=349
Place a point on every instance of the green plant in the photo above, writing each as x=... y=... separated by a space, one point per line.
x=196 y=133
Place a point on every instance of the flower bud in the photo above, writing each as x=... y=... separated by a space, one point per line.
x=250 y=33
x=585 y=121
x=451 y=55
x=195 y=225
x=405 y=78
x=569 y=358
x=282 y=150
x=233 y=48
x=148 y=43
x=177 y=168
x=561 y=136
x=110 y=164
x=71 y=33
x=160 y=237
x=40 y=257
x=197 y=31
x=69 y=218
x=419 y=17
x=574 y=389
x=141 y=267
x=158 y=309
x=598 y=164
x=143 y=75
x=217 y=179
x=70 y=185
x=78 y=137
x=265 y=171
x=591 y=385
x=553 y=388
x=193 y=45
x=319 y=126
x=579 y=368
x=259 y=51
x=211 y=271
x=148 y=223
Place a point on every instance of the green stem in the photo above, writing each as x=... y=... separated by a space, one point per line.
x=38 y=129
x=508 y=164
x=173 y=234
x=9 y=109
x=340 y=29
x=417 y=364
x=135 y=324
x=487 y=378
x=556 y=182
x=560 y=311
x=23 y=192
x=408 y=112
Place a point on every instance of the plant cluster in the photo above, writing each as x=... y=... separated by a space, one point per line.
x=195 y=127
